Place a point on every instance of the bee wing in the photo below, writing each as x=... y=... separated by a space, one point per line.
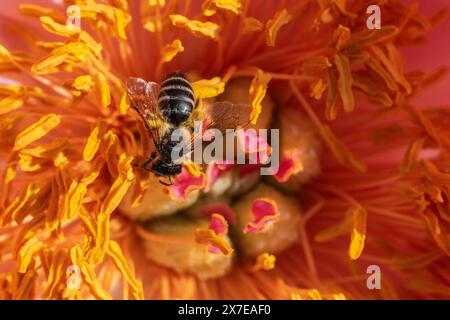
x=227 y=115
x=143 y=96
x=222 y=116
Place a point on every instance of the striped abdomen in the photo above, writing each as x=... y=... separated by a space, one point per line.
x=176 y=98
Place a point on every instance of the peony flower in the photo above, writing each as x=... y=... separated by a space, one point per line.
x=364 y=175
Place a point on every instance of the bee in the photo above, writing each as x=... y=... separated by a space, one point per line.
x=170 y=106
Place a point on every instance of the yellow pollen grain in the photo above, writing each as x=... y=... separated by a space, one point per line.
x=207 y=29
x=83 y=83
x=60 y=159
x=26 y=163
x=153 y=26
x=208 y=88
x=281 y=18
x=169 y=51
x=265 y=261
x=257 y=91
x=36 y=131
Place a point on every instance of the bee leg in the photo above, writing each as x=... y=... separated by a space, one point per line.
x=165 y=183
x=145 y=164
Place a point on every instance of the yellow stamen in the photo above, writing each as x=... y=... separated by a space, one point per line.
x=120 y=185
x=273 y=26
x=118 y=18
x=121 y=263
x=10 y=104
x=345 y=82
x=68 y=54
x=210 y=6
x=110 y=152
x=208 y=237
x=33 y=10
x=36 y=131
x=111 y=202
x=169 y=51
x=252 y=25
x=208 y=88
x=154 y=3
x=93 y=141
x=336 y=230
x=317 y=89
x=207 y=29
x=358 y=234
x=26 y=252
x=257 y=91
x=103 y=89
x=124 y=105
x=62 y=30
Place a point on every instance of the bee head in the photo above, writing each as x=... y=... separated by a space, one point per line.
x=176 y=74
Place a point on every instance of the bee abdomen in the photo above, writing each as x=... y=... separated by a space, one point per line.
x=176 y=98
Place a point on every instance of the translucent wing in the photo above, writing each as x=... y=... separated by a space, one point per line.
x=227 y=115
x=144 y=99
x=222 y=116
